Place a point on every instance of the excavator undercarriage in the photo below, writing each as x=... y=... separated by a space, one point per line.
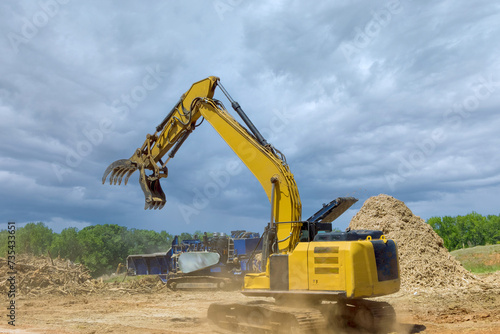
x=297 y=315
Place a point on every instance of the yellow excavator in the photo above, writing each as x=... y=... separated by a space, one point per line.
x=319 y=279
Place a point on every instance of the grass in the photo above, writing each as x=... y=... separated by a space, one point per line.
x=119 y=278
x=479 y=259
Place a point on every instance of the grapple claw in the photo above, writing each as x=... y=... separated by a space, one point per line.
x=117 y=170
x=121 y=170
x=128 y=176
x=120 y=174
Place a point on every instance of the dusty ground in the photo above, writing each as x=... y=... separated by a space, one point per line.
x=167 y=311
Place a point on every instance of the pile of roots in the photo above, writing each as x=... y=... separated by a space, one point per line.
x=35 y=275
x=42 y=275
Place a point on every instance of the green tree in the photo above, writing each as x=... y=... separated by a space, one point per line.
x=147 y=241
x=103 y=247
x=34 y=239
x=470 y=230
x=493 y=229
x=185 y=236
x=167 y=237
x=4 y=237
x=446 y=228
x=67 y=245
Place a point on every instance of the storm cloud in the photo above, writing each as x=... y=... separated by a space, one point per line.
x=363 y=97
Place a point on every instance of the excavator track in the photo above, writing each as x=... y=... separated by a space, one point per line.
x=353 y=316
x=265 y=318
x=359 y=316
x=371 y=316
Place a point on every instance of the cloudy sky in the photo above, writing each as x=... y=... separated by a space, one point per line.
x=363 y=97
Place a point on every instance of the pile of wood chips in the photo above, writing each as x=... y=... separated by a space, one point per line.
x=425 y=264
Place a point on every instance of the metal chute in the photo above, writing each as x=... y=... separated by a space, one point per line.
x=331 y=211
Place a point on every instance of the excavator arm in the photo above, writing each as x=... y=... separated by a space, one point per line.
x=266 y=163
x=169 y=136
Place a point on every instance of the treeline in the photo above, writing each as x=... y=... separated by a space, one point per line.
x=100 y=247
x=467 y=231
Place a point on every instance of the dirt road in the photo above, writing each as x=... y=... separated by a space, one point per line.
x=120 y=311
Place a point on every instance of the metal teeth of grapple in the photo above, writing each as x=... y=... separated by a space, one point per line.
x=118 y=170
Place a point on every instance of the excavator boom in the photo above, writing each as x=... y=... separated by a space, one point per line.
x=264 y=161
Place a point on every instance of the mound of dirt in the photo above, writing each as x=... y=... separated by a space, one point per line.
x=424 y=262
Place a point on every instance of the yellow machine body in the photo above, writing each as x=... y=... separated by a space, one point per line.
x=347 y=269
